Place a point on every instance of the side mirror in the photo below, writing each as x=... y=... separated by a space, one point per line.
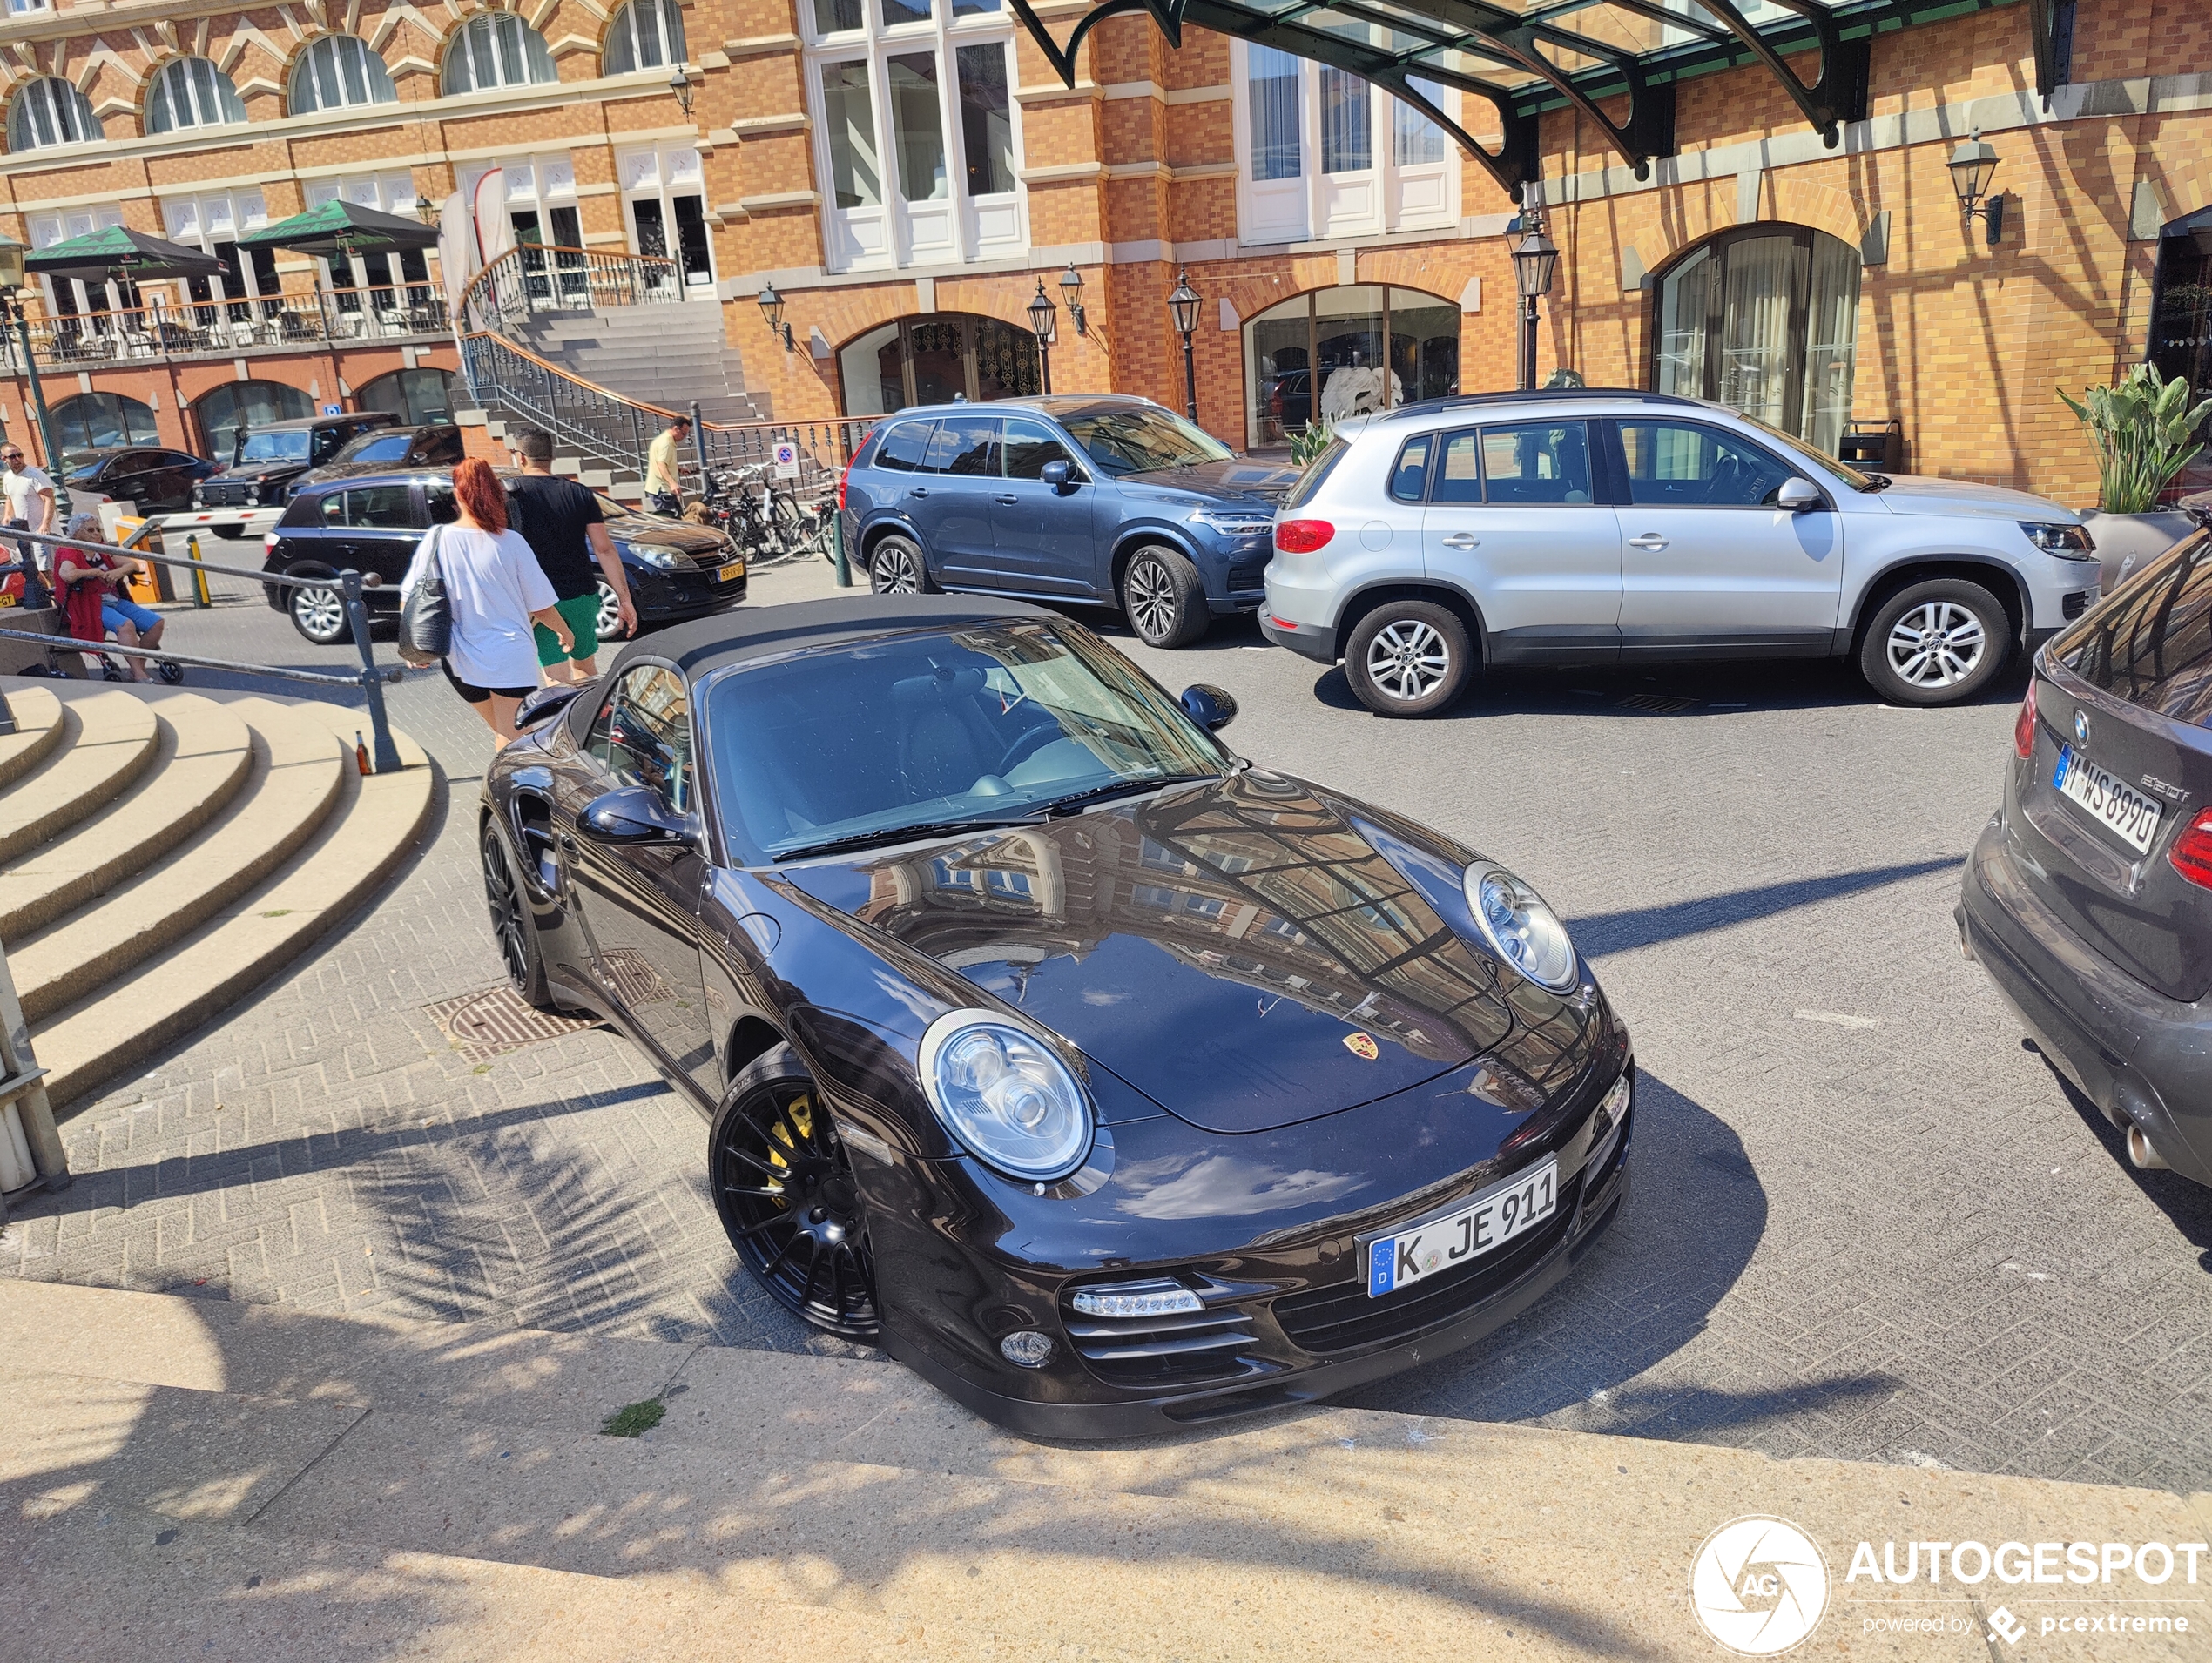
x=633 y=814
x=1055 y=474
x=1799 y=496
x=1211 y=708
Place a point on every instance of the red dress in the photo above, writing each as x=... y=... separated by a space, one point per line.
x=82 y=599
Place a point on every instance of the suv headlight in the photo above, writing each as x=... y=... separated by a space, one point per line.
x=2067 y=542
x=1236 y=523
x=1005 y=1096
x=1520 y=928
x=253 y=495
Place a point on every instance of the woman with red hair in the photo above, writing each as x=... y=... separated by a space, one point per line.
x=496 y=590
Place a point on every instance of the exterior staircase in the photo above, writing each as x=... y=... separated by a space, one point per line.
x=163 y=852
x=670 y=355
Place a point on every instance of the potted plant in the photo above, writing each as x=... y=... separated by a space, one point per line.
x=1309 y=442
x=2145 y=432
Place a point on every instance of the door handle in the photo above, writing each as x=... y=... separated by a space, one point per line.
x=1650 y=539
x=1461 y=540
x=918 y=490
x=1009 y=499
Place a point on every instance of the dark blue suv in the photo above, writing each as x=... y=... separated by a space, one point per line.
x=1092 y=498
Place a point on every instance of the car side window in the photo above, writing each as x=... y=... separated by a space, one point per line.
x=643 y=734
x=1409 y=480
x=380 y=505
x=1459 y=474
x=439 y=497
x=904 y=447
x=1537 y=462
x=334 y=509
x=1676 y=464
x=964 y=445
x=1029 y=445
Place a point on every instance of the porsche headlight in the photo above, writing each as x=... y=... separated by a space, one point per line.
x=1004 y=1095
x=1520 y=928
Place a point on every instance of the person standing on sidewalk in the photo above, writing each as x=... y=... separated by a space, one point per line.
x=664 y=482
x=28 y=492
x=496 y=590
x=561 y=521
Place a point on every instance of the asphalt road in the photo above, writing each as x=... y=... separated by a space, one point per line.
x=1867 y=1220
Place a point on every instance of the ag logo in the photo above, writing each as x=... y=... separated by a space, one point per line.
x=1360 y=1046
x=1759 y=1585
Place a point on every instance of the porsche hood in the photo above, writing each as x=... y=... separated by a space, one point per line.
x=1249 y=953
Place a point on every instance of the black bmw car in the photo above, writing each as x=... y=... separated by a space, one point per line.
x=1110 y=1081
x=2088 y=898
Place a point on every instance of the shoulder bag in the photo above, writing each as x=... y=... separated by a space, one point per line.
x=426 y=616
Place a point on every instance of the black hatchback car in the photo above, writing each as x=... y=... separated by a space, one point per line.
x=390 y=450
x=159 y=482
x=372 y=523
x=2088 y=898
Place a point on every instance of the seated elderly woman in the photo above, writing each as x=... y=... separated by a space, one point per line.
x=91 y=589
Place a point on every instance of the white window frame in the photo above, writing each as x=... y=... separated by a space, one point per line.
x=390 y=192
x=487 y=25
x=665 y=15
x=1383 y=198
x=203 y=221
x=956 y=227
x=661 y=175
x=79 y=108
x=174 y=78
x=45 y=230
x=322 y=59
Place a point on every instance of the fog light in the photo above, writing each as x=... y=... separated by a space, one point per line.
x=1154 y=1302
x=1027 y=1349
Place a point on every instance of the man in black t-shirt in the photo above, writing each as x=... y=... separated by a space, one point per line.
x=561 y=522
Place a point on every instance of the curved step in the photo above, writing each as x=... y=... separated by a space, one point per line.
x=376 y=822
x=204 y=755
x=109 y=737
x=300 y=768
x=38 y=729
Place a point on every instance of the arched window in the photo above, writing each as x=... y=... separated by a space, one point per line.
x=497 y=48
x=51 y=111
x=191 y=92
x=1332 y=354
x=339 y=70
x=90 y=421
x=1765 y=320
x=933 y=359
x=237 y=408
x=645 y=35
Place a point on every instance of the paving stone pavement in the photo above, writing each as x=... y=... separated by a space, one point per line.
x=1867 y=1222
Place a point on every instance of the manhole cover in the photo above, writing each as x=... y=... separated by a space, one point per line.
x=484 y=1025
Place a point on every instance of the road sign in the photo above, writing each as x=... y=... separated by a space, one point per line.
x=786 y=459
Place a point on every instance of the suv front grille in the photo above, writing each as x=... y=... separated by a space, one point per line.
x=1343 y=1318
x=222 y=494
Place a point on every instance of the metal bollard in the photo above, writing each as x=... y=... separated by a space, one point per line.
x=837 y=534
x=199 y=596
x=386 y=753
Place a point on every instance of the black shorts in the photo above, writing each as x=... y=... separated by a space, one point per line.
x=475 y=694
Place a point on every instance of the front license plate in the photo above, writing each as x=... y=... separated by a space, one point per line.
x=729 y=573
x=2115 y=805
x=1489 y=1221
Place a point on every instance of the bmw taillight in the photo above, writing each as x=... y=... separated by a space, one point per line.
x=1303 y=536
x=841 y=473
x=2024 y=727
x=2191 y=854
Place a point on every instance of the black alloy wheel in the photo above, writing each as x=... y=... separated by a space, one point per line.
x=319 y=614
x=1163 y=598
x=512 y=925
x=896 y=568
x=785 y=1188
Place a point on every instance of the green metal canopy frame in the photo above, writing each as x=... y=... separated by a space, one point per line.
x=1526 y=61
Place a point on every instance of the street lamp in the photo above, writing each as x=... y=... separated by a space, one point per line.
x=1042 y=317
x=1534 y=262
x=1183 y=306
x=680 y=84
x=771 y=308
x=12 y=293
x=1071 y=291
x=1971 y=165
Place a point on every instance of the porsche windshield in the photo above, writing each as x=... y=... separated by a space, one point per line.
x=934 y=732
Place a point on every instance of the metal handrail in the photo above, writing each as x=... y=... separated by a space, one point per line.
x=370 y=677
x=162 y=330
x=501 y=291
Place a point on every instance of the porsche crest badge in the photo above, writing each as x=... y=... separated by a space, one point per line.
x=1360 y=1046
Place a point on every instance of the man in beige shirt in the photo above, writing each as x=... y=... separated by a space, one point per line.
x=664 y=488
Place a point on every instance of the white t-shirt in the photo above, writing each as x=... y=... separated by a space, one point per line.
x=22 y=490
x=493 y=583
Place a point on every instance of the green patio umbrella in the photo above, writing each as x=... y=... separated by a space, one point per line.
x=126 y=255
x=338 y=228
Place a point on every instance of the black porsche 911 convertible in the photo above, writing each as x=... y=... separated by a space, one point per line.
x=1109 y=1081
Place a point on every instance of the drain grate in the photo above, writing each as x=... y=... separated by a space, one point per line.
x=1660 y=705
x=481 y=1026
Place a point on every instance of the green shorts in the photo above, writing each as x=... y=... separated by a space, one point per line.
x=582 y=616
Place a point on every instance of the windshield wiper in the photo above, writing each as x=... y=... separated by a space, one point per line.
x=1876 y=483
x=1060 y=805
x=913 y=833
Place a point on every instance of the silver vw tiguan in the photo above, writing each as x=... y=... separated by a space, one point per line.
x=1601 y=528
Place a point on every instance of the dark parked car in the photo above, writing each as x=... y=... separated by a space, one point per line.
x=1110 y=1081
x=1098 y=500
x=390 y=450
x=159 y=482
x=372 y=523
x=270 y=460
x=2088 y=898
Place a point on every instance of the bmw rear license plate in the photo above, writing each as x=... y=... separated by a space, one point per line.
x=1491 y=1219
x=2118 y=807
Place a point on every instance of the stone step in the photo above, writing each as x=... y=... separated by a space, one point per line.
x=108 y=739
x=298 y=770
x=205 y=754
x=39 y=731
x=369 y=826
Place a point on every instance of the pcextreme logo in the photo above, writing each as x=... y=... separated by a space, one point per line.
x=1759 y=1585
